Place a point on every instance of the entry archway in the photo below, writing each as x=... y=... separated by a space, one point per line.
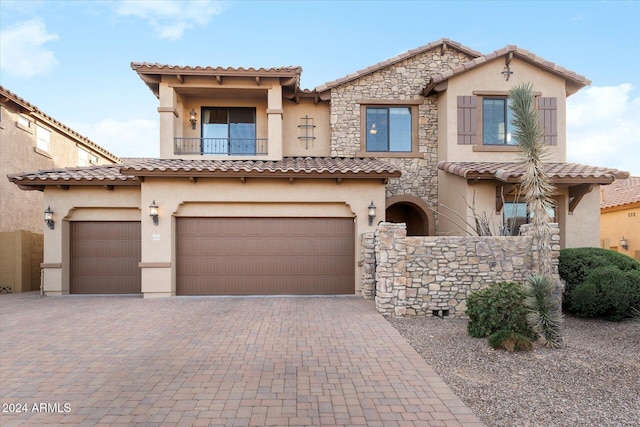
x=412 y=211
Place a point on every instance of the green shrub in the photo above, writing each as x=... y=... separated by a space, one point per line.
x=545 y=312
x=498 y=307
x=585 y=301
x=576 y=264
x=510 y=341
x=607 y=292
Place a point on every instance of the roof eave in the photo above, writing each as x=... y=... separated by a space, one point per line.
x=262 y=174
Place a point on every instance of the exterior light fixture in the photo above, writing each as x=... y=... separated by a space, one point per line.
x=48 y=218
x=624 y=244
x=192 y=118
x=153 y=212
x=372 y=212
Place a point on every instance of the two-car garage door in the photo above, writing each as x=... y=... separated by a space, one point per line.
x=245 y=256
x=221 y=256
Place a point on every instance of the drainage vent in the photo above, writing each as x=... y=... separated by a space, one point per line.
x=440 y=313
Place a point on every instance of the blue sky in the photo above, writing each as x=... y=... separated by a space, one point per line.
x=72 y=58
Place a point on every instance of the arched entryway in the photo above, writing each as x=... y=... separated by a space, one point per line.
x=412 y=211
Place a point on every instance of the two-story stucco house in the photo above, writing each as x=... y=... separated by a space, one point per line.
x=31 y=140
x=265 y=188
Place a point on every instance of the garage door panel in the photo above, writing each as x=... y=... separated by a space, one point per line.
x=105 y=257
x=265 y=256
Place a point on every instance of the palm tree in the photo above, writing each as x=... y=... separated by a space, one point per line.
x=544 y=293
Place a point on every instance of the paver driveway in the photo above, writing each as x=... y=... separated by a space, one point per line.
x=214 y=361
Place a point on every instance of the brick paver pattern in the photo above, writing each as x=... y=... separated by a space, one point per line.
x=252 y=361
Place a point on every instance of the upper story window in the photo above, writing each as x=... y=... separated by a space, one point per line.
x=484 y=121
x=229 y=130
x=83 y=157
x=43 y=138
x=24 y=123
x=496 y=121
x=389 y=129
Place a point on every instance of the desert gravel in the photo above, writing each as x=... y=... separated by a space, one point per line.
x=594 y=380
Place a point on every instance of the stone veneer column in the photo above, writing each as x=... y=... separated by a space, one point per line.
x=391 y=280
x=527 y=230
x=368 y=264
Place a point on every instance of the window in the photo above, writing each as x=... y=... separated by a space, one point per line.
x=388 y=129
x=24 y=124
x=83 y=157
x=496 y=122
x=516 y=213
x=229 y=131
x=484 y=121
x=43 y=138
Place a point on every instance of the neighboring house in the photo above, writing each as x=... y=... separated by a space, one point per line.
x=31 y=140
x=263 y=187
x=620 y=216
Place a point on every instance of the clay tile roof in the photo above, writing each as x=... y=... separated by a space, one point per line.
x=396 y=59
x=92 y=175
x=517 y=52
x=289 y=166
x=155 y=68
x=10 y=96
x=565 y=173
x=621 y=192
x=151 y=73
x=127 y=173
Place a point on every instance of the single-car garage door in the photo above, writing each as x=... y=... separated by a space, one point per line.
x=254 y=256
x=105 y=257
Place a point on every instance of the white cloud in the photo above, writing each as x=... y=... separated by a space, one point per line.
x=22 y=50
x=129 y=138
x=603 y=127
x=171 y=18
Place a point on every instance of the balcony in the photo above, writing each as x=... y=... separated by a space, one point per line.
x=221 y=146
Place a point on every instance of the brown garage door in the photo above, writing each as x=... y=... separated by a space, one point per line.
x=105 y=257
x=255 y=256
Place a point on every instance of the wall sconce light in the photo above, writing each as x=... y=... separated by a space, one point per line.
x=192 y=118
x=48 y=218
x=153 y=212
x=624 y=244
x=373 y=129
x=372 y=212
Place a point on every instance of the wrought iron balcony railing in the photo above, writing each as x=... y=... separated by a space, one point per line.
x=221 y=146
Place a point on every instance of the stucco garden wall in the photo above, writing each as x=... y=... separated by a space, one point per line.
x=418 y=276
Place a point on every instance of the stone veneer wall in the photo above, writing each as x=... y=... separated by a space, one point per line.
x=415 y=276
x=399 y=82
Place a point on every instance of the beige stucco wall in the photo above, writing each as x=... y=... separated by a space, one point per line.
x=292 y=119
x=19 y=210
x=80 y=203
x=620 y=221
x=208 y=197
x=577 y=229
x=457 y=196
x=177 y=99
x=22 y=211
x=582 y=228
x=257 y=197
x=487 y=78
